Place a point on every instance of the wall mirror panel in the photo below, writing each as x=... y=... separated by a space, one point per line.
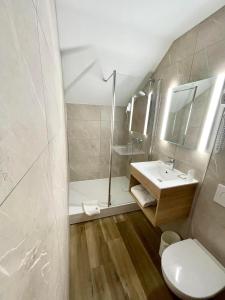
x=140 y=112
x=188 y=109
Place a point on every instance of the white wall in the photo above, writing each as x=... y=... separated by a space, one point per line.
x=33 y=163
x=97 y=36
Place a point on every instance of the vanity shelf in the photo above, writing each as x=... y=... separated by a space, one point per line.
x=172 y=203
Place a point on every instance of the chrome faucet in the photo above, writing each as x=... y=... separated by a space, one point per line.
x=170 y=162
x=137 y=140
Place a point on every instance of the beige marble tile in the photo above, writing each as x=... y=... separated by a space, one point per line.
x=58 y=165
x=106 y=112
x=81 y=148
x=104 y=167
x=52 y=89
x=34 y=214
x=200 y=69
x=83 y=129
x=89 y=133
x=23 y=126
x=211 y=30
x=197 y=55
x=180 y=226
x=209 y=234
x=166 y=60
x=83 y=112
x=120 y=114
x=120 y=134
x=209 y=217
x=23 y=15
x=105 y=148
x=88 y=168
x=185 y=45
x=105 y=130
x=184 y=69
x=193 y=160
x=119 y=165
x=165 y=148
x=216 y=58
x=47 y=18
x=169 y=78
x=25 y=217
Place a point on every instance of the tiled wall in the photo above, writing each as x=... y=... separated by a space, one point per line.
x=89 y=131
x=33 y=164
x=208 y=224
x=198 y=54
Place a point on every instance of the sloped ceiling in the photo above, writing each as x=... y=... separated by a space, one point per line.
x=131 y=36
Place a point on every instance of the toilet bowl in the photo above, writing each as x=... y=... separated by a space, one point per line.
x=191 y=272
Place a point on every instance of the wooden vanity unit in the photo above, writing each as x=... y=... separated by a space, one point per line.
x=172 y=203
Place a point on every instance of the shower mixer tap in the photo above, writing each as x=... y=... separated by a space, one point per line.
x=137 y=140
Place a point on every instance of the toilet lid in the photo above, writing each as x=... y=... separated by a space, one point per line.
x=192 y=270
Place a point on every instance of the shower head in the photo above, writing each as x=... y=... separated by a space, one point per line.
x=141 y=93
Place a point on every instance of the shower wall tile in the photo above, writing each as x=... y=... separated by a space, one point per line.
x=106 y=112
x=84 y=168
x=209 y=217
x=216 y=58
x=84 y=147
x=184 y=46
x=27 y=32
x=46 y=13
x=105 y=148
x=196 y=55
x=22 y=118
x=211 y=30
x=184 y=69
x=89 y=133
x=194 y=63
x=33 y=196
x=119 y=165
x=31 y=241
x=105 y=130
x=83 y=129
x=200 y=69
x=83 y=112
x=53 y=107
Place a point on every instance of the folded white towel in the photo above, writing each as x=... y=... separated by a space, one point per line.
x=91 y=209
x=143 y=196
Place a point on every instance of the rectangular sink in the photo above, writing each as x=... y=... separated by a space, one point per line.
x=161 y=175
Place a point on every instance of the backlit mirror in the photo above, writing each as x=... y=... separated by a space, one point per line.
x=140 y=109
x=188 y=109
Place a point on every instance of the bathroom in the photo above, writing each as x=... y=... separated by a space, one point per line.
x=112 y=150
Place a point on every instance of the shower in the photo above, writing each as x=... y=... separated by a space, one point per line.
x=99 y=185
x=112 y=130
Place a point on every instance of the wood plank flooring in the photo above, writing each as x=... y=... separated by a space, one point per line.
x=116 y=258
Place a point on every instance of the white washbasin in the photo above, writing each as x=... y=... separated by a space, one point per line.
x=126 y=150
x=161 y=175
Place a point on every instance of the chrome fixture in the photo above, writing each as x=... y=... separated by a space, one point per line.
x=137 y=141
x=112 y=130
x=156 y=115
x=170 y=162
x=141 y=93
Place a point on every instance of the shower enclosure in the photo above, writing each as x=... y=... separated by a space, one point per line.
x=102 y=143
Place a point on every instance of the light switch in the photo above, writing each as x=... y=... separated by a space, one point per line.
x=220 y=195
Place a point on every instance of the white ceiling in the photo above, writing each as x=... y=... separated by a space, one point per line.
x=131 y=36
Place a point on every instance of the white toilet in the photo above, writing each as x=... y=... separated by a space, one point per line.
x=191 y=272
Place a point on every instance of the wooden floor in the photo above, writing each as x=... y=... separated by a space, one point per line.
x=116 y=258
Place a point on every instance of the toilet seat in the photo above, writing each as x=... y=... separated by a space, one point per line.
x=191 y=271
